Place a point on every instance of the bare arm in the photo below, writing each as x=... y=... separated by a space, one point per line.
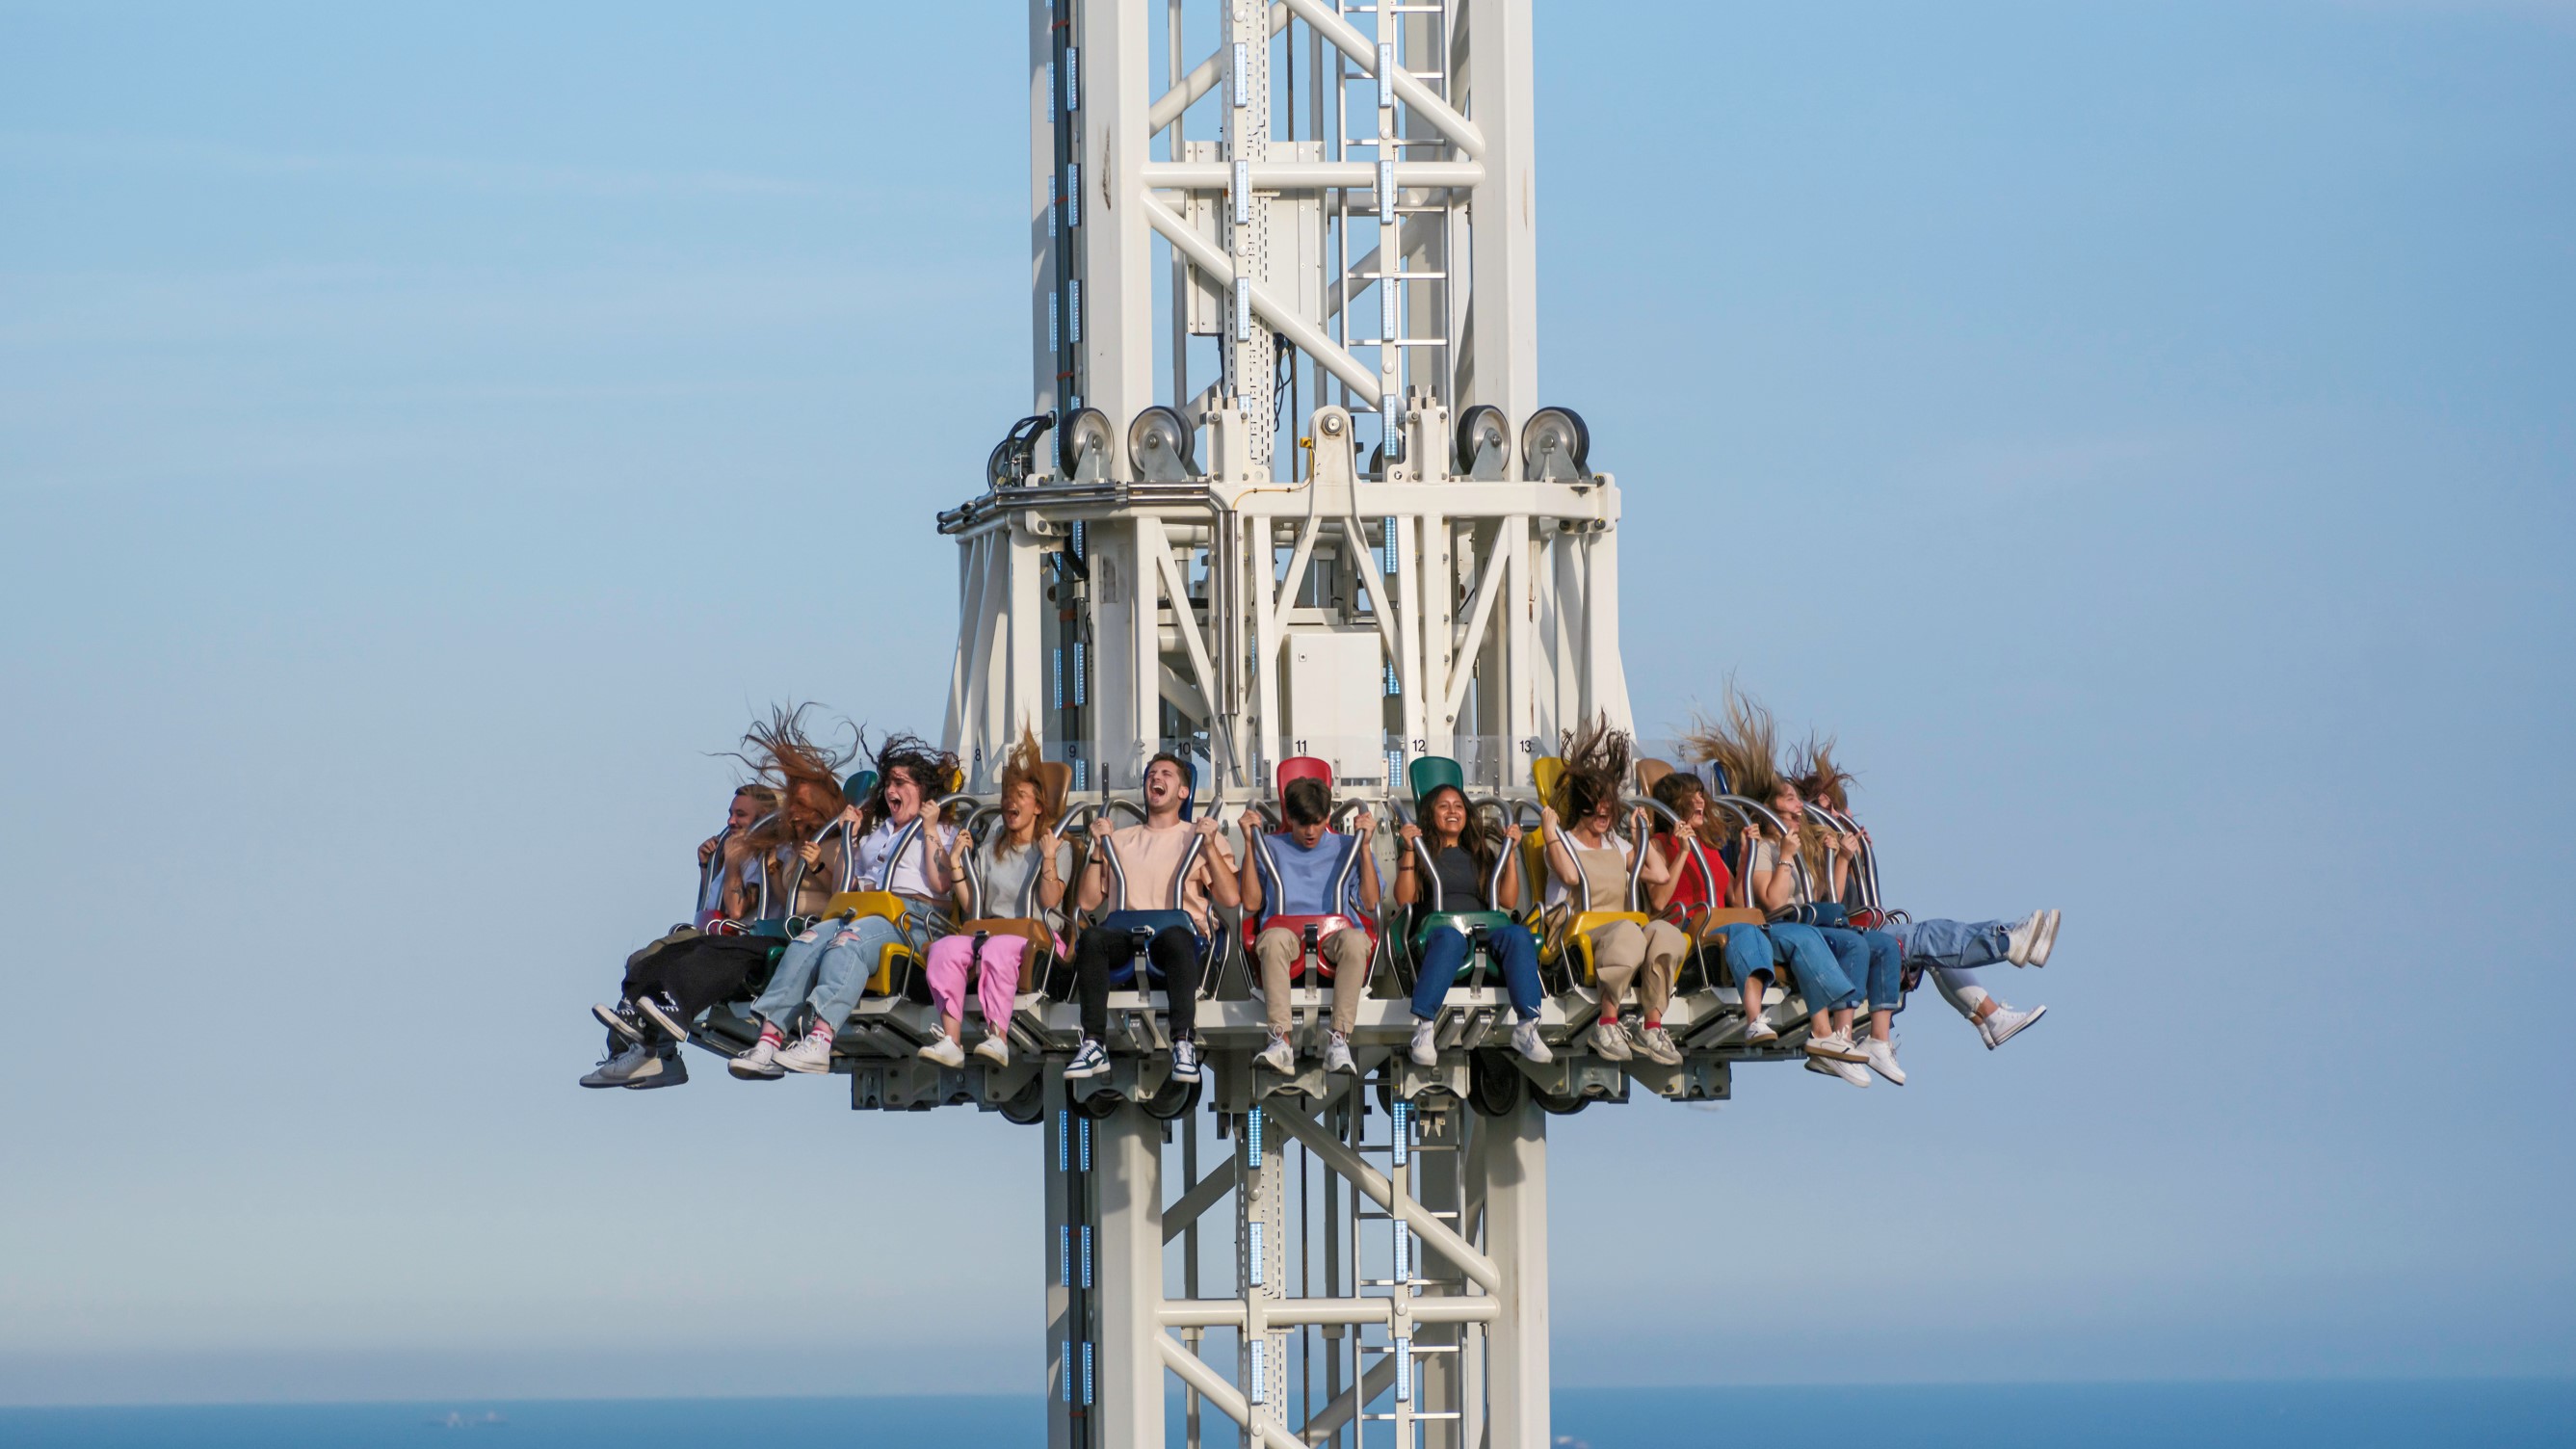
x=1772 y=888
x=1364 y=827
x=1248 y=879
x=1050 y=884
x=1219 y=864
x=1659 y=893
x=1507 y=896
x=1095 y=870
x=1408 y=866
x=1560 y=854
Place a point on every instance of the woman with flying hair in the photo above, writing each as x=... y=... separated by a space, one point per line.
x=1771 y=864
x=1950 y=950
x=827 y=968
x=1017 y=872
x=675 y=986
x=1588 y=865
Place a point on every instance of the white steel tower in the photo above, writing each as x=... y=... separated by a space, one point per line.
x=1299 y=485
x=1288 y=490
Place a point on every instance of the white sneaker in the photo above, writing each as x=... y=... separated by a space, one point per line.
x=2005 y=1023
x=1845 y=1070
x=1337 y=1054
x=1185 y=1060
x=2022 y=937
x=1882 y=1059
x=995 y=1048
x=1834 y=1046
x=812 y=1053
x=2047 y=941
x=1657 y=1044
x=1277 y=1057
x=1425 y=1050
x=1610 y=1040
x=1758 y=1030
x=1091 y=1059
x=945 y=1051
x=760 y=1064
x=1525 y=1041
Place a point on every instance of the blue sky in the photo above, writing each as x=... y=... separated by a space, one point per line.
x=2143 y=432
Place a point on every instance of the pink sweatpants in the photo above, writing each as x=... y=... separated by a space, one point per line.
x=952 y=960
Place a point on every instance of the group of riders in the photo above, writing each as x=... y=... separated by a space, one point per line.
x=1752 y=868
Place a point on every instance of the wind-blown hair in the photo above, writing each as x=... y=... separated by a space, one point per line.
x=1026 y=766
x=1741 y=742
x=1596 y=767
x=930 y=767
x=806 y=775
x=1822 y=780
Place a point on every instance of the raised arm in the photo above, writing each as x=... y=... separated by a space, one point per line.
x=1408 y=866
x=1507 y=894
x=1364 y=826
x=1659 y=893
x=1560 y=854
x=1050 y=882
x=1248 y=878
x=1656 y=870
x=1094 y=885
x=1218 y=863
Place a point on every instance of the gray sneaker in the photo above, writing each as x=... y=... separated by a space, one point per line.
x=615 y=1071
x=667 y=1069
x=1610 y=1041
x=1657 y=1046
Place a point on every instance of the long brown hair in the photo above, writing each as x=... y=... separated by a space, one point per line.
x=931 y=768
x=806 y=776
x=1596 y=766
x=1484 y=844
x=1024 y=767
x=1741 y=742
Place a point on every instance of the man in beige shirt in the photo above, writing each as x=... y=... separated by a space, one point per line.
x=1166 y=865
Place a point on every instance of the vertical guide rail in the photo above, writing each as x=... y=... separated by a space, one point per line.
x=1261 y=1276
x=1071 y=1339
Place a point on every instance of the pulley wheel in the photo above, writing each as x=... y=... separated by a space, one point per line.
x=1088 y=433
x=1483 y=430
x=1159 y=447
x=1555 y=444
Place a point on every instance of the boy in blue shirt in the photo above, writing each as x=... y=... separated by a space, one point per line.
x=1310 y=869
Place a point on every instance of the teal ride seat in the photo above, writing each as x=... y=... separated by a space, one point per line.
x=1427 y=774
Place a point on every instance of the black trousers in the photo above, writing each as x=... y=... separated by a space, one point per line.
x=700 y=971
x=1175 y=957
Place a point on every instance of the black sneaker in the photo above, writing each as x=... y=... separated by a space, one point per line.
x=665 y=1013
x=620 y=1019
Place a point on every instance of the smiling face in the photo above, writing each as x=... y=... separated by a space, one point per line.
x=1788 y=804
x=1447 y=813
x=742 y=814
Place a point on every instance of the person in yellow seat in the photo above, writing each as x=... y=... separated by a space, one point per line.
x=1588 y=866
x=1165 y=867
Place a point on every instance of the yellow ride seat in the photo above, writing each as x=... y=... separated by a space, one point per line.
x=858 y=905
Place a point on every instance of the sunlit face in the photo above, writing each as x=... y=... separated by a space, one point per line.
x=1448 y=815
x=1164 y=785
x=742 y=814
x=1599 y=819
x=1788 y=804
x=1307 y=835
x=1693 y=810
x=1020 y=808
x=902 y=794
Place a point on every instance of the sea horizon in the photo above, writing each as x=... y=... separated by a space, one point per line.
x=2344 y=1413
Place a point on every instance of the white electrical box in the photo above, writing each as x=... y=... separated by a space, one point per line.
x=1337 y=702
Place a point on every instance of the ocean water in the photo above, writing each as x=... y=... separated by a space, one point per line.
x=2504 y=1414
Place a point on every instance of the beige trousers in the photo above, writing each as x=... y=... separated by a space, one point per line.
x=1347 y=950
x=1619 y=949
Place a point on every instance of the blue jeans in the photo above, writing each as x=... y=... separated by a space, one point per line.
x=1446 y=953
x=833 y=962
x=1822 y=983
x=1954 y=945
x=1873 y=957
x=1747 y=951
